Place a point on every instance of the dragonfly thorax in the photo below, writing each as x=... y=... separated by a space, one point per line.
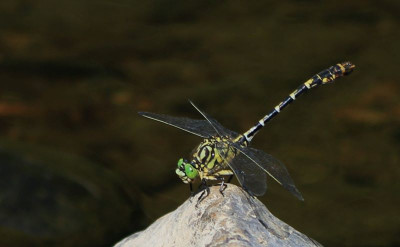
x=209 y=160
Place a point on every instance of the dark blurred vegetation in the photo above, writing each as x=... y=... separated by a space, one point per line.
x=79 y=167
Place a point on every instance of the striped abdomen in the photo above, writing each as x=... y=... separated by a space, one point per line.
x=323 y=77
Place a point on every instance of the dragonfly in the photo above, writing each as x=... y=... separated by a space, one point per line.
x=224 y=152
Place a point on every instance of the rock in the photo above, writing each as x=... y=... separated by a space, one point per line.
x=235 y=219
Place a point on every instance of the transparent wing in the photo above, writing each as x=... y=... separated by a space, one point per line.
x=203 y=128
x=250 y=176
x=197 y=127
x=219 y=129
x=272 y=166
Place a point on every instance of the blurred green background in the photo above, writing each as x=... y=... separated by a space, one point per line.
x=80 y=167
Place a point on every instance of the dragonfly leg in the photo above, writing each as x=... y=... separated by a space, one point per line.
x=191 y=192
x=223 y=185
x=205 y=191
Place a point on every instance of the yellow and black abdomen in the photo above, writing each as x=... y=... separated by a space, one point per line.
x=330 y=74
x=326 y=76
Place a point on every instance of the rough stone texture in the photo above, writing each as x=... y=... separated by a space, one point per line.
x=233 y=220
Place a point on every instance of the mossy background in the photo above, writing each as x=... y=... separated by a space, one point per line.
x=80 y=167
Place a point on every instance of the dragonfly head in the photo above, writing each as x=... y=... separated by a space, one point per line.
x=186 y=171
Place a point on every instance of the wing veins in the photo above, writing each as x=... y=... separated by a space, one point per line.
x=219 y=129
x=253 y=181
x=287 y=183
x=205 y=116
x=193 y=123
x=265 y=170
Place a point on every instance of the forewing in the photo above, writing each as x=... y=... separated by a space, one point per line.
x=272 y=166
x=197 y=127
x=219 y=129
x=250 y=176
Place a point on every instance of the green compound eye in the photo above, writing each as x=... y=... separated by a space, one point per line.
x=190 y=171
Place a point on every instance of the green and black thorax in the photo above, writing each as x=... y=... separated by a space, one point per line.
x=213 y=155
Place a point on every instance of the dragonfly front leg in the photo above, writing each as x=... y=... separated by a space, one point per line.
x=205 y=191
x=191 y=190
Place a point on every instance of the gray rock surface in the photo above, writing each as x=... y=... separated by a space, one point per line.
x=235 y=219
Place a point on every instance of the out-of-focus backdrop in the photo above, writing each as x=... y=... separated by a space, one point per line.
x=80 y=167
